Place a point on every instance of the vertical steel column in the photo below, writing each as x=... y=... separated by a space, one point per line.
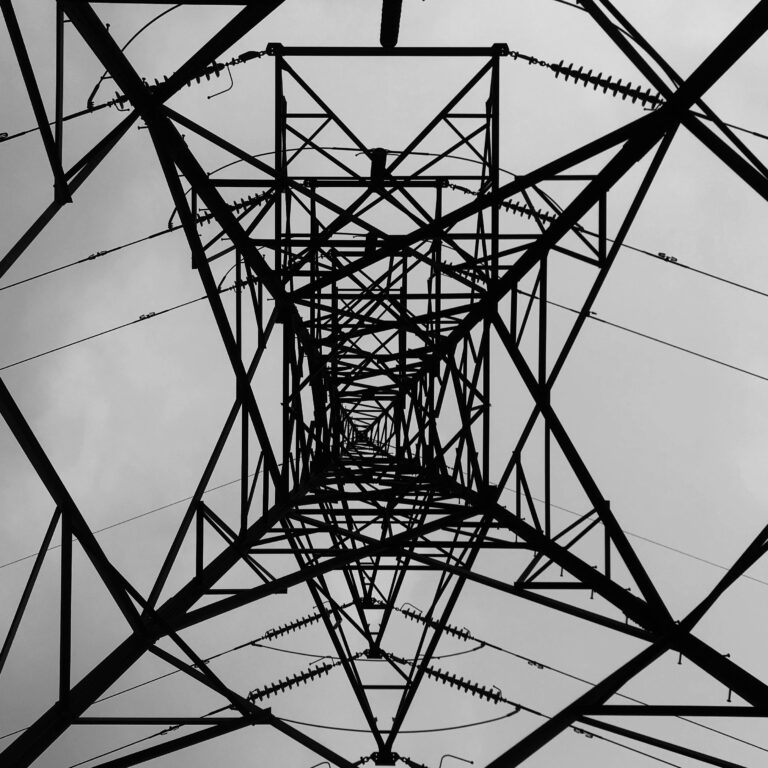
x=280 y=182
x=59 y=109
x=65 y=618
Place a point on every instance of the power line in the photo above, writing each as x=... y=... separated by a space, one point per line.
x=140 y=319
x=518 y=707
x=571 y=676
x=372 y=660
x=662 y=256
x=119 y=101
x=654 y=542
x=411 y=731
x=528 y=211
x=130 y=519
x=205 y=217
x=255 y=644
x=92 y=257
x=523 y=209
x=113 y=329
x=466 y=637
x=591 y=316
x=649 y=337
x=202 y=218
x=609 y=86
x=669 y=344
x=643 y=538
x=469 y=636
x=136 y=34
x=589 y=734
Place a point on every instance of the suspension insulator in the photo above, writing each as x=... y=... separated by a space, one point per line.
x=449 y=629
x=617 y=88
x=467 y=685
x=291 y=682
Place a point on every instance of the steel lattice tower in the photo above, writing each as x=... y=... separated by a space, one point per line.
x=403 y=290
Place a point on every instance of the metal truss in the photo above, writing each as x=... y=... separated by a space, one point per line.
x=387 y=463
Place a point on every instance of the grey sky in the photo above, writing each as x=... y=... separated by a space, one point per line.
x=676 y=443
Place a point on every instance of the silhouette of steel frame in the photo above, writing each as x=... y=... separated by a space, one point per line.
x=381 y=439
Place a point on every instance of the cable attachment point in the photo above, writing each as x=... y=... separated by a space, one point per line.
x=249 y=55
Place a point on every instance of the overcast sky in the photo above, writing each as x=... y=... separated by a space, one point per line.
x=678 y=444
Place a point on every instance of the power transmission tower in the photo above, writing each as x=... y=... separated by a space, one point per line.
x=394 y=283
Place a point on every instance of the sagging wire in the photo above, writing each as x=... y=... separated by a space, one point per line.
x=258 y=694
x=258 y=642
x=517 y=708
x=414 y=731
x=106 y=75
x=315 y=672
x=581 y=731
x=442 y=729
x=317 y=657
x=494 y=695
